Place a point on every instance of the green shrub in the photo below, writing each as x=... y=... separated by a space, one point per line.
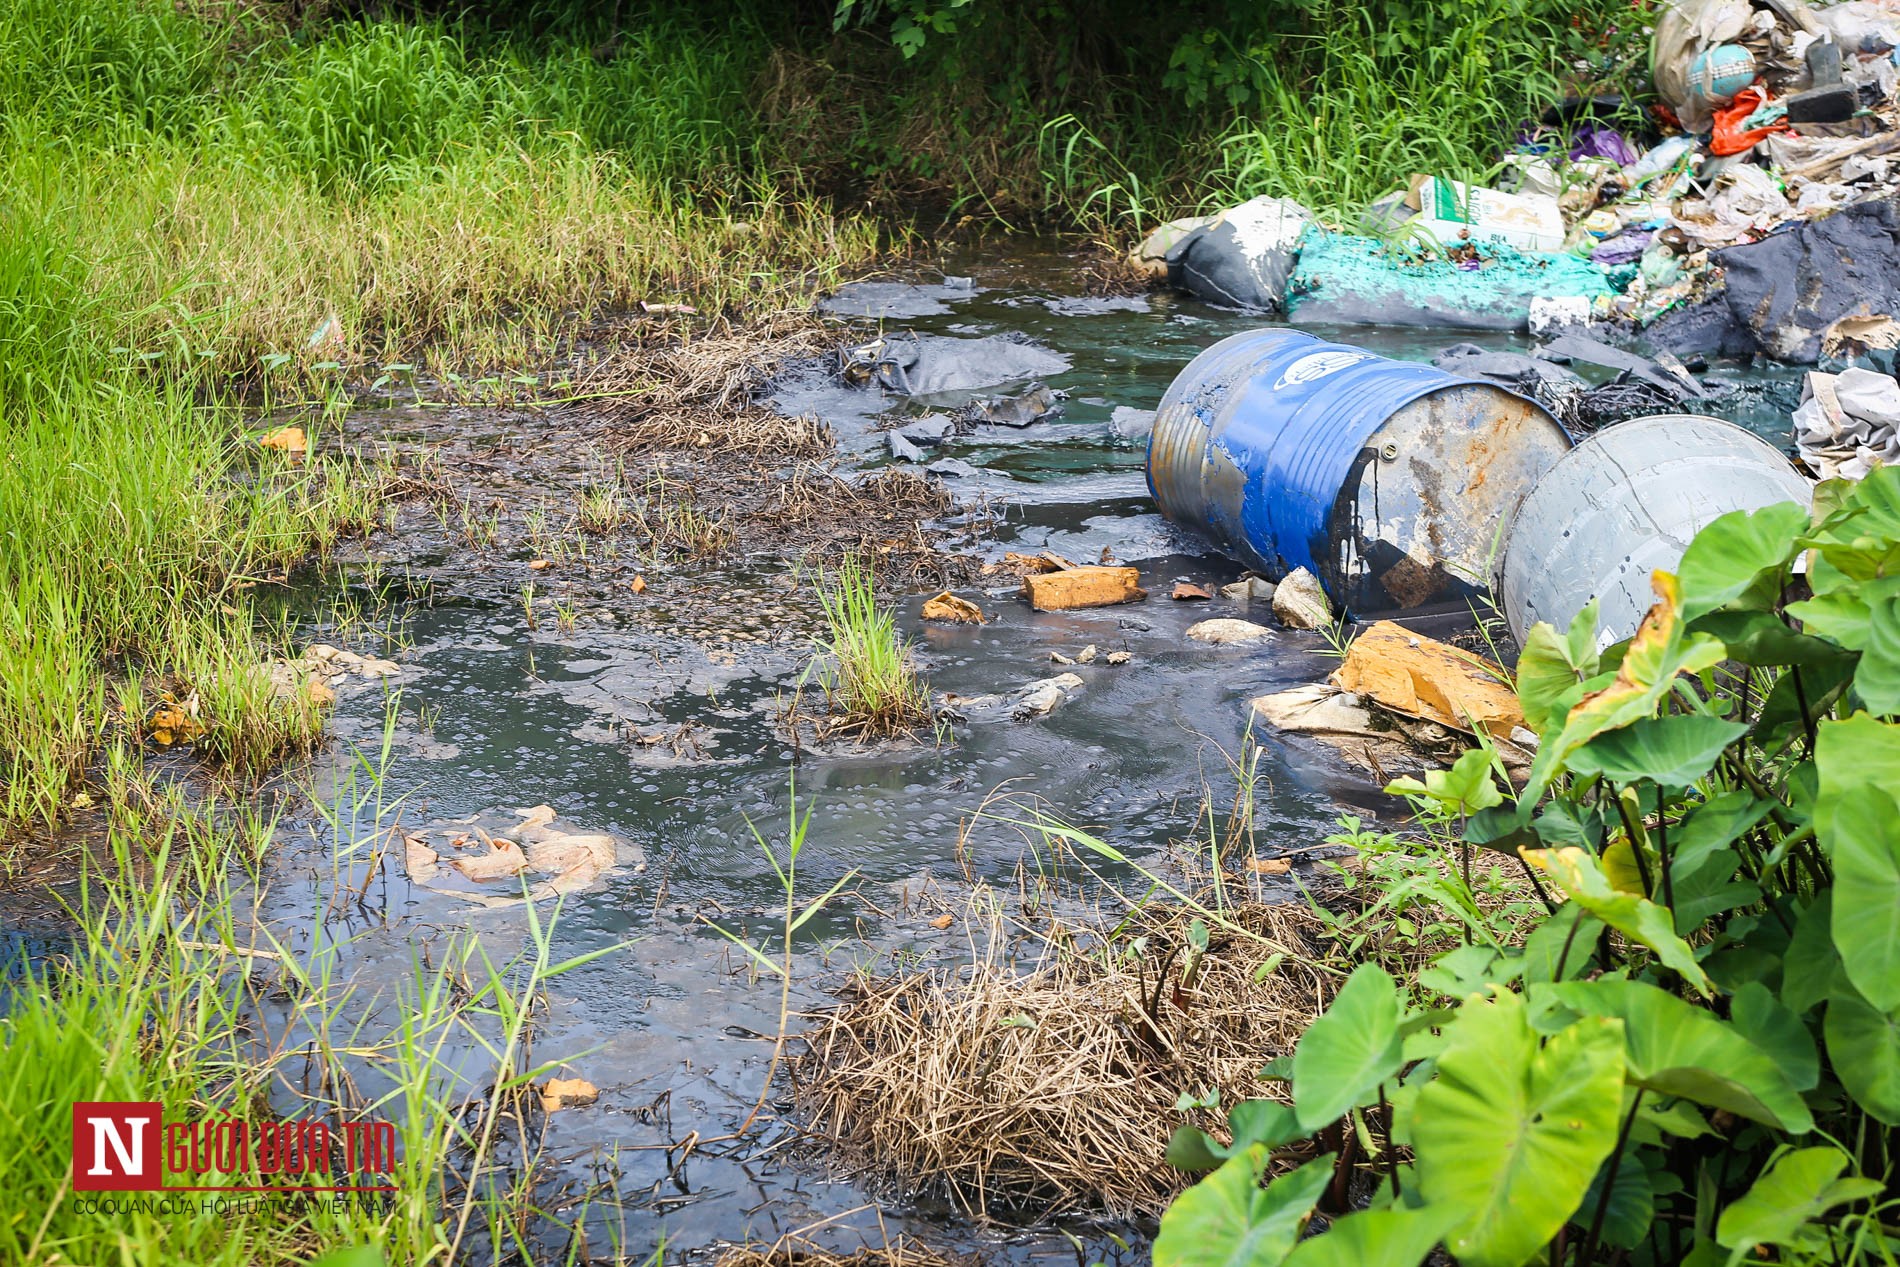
x=1695 y=1055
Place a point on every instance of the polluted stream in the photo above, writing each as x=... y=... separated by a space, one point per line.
x=655 y=717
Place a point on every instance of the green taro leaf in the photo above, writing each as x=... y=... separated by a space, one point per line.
x=1756 y=637
x=1877 y=681
x=1653 y=659
x=1783 y=1203
x=1811 y=970
x=1862 y=541
x=1765 y=1021
x=1740 y=557
x=1581 y=877
x=1678 y=1049
x=1674 y=751
x=1632 y=1205
x=1863 y=1044
x=1466 y=788
x=1509 y=1132
x=1375 y=1238
x=1714 y=825
x=1265 y=1122
x=1858 y=823
x=1544 y=949
x=1346 y=1053
x=1552 y=668
x=1229 y=1220
x=1841 y=617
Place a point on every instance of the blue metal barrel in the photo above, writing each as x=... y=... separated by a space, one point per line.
x=1391 y=481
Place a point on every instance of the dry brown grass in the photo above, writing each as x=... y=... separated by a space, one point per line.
x=698 y=390
x=1021 y=1092
x=795 y=1251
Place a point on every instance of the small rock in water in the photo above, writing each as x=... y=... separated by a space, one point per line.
x=1120 y=657
x=1128 y=423
x=1042 y=697
x=902 y=449
x=1299 y=602
x=1237 y=591
x=1185 y=591
x=1226 y=631
x=1087 y=655
x=1260 y=589
x=931 y=429
x=953 y=467
x=1059 y=658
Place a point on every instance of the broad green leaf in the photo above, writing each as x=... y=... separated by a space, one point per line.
x=1780 y=721
x=1653 y=659
x=1765 y=1021
x=1265 y=1122
x=1349 y=1050
x=1757 y=637
x=1740 y=556
x=1466 y=788
x=1674 y=751
x=1861 y=832
x=1678 y=1049
x=1229 y=1220
x=1509 y=1132
x=1582 y=879
x=1780 y=1206
x=1714 y=825
x=1459 y=972
x=1877 y=681
x=1842 y=617
x=1863 y=1045
x=1551 y=668
x=1811 y=970
x=1565 y=822
x=1632 y=1205
x=1620 y=869
x=1675 y=1117
x=1192 y=1149
x=1564 y=941
x=1396 y=1237
x=1862 y=540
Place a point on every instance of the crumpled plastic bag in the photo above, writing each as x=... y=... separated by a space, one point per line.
x=1747 y=204
x=1732 y=134
x=1848 y=423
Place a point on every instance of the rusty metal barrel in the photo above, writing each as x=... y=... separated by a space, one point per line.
x=1391 y=481
x=1624 y=503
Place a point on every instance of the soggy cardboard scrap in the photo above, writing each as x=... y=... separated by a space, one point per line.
x=1083 y=587
x=1421 y=677
x=568 y=1093
x=948 y=607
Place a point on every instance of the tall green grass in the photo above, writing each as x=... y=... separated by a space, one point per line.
x=870 y=678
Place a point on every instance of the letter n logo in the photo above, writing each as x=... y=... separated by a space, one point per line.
x=115 y=1146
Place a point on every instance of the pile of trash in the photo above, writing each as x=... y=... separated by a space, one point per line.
x=1757 y=217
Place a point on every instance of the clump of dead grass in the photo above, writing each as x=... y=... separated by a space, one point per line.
x=883 y=518
x=699 y=390
x=1030 y=1091
x=795 y=1251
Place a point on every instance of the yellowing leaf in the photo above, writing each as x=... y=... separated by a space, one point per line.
x=1582 y=879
